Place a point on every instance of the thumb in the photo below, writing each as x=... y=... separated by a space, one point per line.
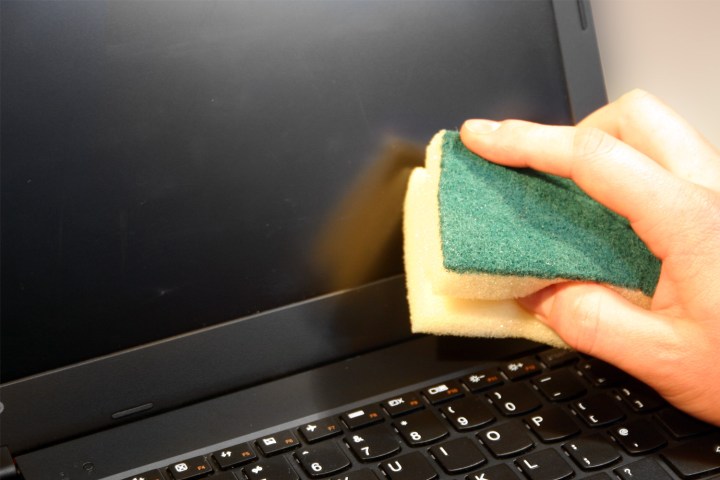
x=598 y=321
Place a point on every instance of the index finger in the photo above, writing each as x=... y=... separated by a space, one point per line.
x=610 y=171
x=651 y=127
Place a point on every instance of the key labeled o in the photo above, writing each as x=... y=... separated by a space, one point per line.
x=493 y=435
x=510 y=407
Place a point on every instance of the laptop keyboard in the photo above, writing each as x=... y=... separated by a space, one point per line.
x=554 y=416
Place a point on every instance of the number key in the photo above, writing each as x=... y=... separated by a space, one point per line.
x=323 y=459
x=468 y=413
x=421 y=428
x=373 y=443
x=514 y=399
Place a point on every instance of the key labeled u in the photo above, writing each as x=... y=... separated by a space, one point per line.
x=395 y=466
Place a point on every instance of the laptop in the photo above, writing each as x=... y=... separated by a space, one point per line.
x=201 y=249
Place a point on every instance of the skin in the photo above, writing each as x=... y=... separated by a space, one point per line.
x=642 y=160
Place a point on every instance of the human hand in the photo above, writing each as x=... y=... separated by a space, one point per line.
x=640 y=159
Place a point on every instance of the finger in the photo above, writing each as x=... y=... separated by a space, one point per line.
x=596 y=320
x=610 y=171
x=651 y=127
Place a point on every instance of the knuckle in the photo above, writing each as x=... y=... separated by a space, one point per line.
x=592 y=143
x=634 y=96
x=635 y=107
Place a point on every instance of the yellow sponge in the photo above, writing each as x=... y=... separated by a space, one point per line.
x=478 y=236
x=440 y=314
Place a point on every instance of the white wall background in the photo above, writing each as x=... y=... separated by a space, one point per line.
x=668 y=47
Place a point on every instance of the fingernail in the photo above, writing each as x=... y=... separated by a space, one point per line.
x=482 y=126
x=539 y=303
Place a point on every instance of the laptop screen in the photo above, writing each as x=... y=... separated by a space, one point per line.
x=169 y=166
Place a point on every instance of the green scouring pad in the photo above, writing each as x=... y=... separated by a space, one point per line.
x=478 y=233
x=520 y=222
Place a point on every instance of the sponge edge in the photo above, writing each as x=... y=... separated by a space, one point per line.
x=463 y=285
x=439 y=314
x=474 y=302
x=473 y=285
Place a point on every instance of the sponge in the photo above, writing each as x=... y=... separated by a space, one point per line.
x=479 y=235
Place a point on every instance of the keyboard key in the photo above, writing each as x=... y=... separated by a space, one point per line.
x=598 y=410
x=320 y=430
x=646 y=469
x=600 y=374
x=458 y=455
x=276 y=468
x=151 y=475
x=552 y=424
x=558 y=357
x=403 y=404
x=279 y=442
x=545 y=465
x=234 y=456
x=506 y=439
x=192 y=468
x=515 y=399
x=482 y=380
x=638 y=437
x=362 y=417
x=225 y=476
x=498 y=472
x=696 y=457
x=373 y=443
x=525 y=367
x=640 y=397
x=322 y=460
x=412 y=466
x=681 y=425
x=359 y=475
x=421 y=428
x=443 y=392
x=560 y=385
x=468 y=413
x=592 y=452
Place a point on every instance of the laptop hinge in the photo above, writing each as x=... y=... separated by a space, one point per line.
x=8 y=469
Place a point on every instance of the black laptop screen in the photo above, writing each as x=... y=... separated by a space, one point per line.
x=168 y=166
